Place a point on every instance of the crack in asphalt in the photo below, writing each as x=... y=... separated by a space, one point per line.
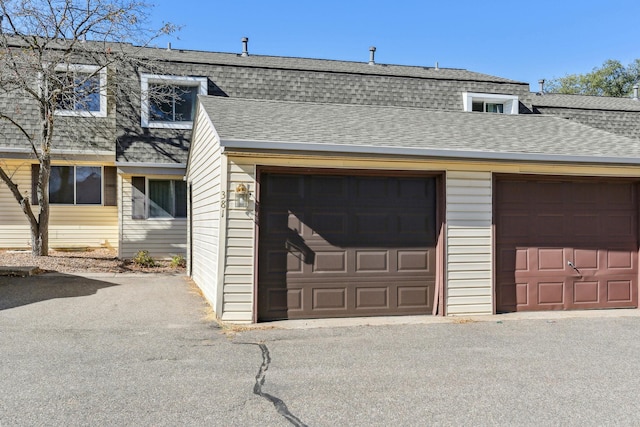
x=280 y=406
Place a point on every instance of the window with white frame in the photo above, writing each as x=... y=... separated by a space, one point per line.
x=158 y=198
x=170 y=101
x=83 y=90
x=490 y=103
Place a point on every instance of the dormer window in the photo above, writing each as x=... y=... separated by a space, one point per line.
x=170 y=101
x=83 y=90
x=490 y=103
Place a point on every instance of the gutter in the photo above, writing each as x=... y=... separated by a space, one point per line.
x=230 y=144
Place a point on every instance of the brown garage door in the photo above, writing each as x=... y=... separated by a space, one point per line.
x=337 y=246
x=565 y=244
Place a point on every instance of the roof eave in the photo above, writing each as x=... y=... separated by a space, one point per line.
x=231 y=144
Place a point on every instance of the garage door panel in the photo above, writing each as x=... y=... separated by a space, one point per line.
x=366 y=255
x=330 y=262
x=620 y=259
x=619 y=291
x=594 y=230
x=329 y=299
x=586 y=292
x=513 y=226
x=328 y=225
x=550 y=259
x=586 y=225
x=368 y=261
x=587 y=259
x=550 y=293
x=619 y=224
x=288 y=187
x=369 y=298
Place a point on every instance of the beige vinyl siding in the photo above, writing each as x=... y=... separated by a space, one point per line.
x=162 y=237
x=238 y=295
x=204 y=176
x=468 y=250
x=69 y=225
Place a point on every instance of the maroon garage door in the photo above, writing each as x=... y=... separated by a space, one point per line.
x=337 y=246
x=565 y=244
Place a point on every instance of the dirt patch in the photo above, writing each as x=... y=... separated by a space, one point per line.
x=93 y=261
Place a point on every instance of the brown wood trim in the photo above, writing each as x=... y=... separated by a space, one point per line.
x=256 y=243
x=346 y=172
x=563 y=178
x=494 y=241
x=440 y=297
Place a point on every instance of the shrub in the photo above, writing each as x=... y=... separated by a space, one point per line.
x=178 y=261
x=143 y=259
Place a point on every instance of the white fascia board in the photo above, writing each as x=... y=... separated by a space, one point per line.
x=229 y=144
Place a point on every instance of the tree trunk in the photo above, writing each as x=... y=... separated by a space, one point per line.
x=40 y=230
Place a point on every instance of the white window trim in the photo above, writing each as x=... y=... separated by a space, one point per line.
x=89 y=69
x=147 y=201
x=145 y=79
x=510 y=102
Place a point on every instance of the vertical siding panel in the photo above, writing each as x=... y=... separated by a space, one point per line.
x=204 y=175
x=240 y=241
x=469 y=243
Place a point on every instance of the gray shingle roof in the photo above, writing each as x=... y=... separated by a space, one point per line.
x=280 y=62
x=585 y=102
x=375 y=127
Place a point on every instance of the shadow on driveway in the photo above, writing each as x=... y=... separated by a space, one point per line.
x=19 y=291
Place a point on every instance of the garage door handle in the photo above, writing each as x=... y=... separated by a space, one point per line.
x=570 y=264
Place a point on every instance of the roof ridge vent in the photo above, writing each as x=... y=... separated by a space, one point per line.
x=245 y=46
x=372 y=55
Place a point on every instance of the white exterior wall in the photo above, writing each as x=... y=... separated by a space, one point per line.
x=238 y=292
x=469 y=283
x=69 y=225
x=205 y=178
x=162 y=237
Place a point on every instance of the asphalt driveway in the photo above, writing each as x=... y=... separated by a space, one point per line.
x=140 y=350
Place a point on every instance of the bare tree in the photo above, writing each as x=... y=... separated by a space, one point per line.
x=57 y=56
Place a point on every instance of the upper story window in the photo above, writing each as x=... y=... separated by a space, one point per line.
x=490 y=103
x=83 y=90
x=170 y=101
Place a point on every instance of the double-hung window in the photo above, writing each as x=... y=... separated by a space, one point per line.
x=81 y=90
x=170 y=101
x=158 y=198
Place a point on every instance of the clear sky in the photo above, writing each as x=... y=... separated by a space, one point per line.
x=520 y=40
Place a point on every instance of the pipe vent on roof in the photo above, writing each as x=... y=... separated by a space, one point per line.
x=541 y=83
x=169 y=46
x=372 y=55
x=245 y=46
x=635 y=92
